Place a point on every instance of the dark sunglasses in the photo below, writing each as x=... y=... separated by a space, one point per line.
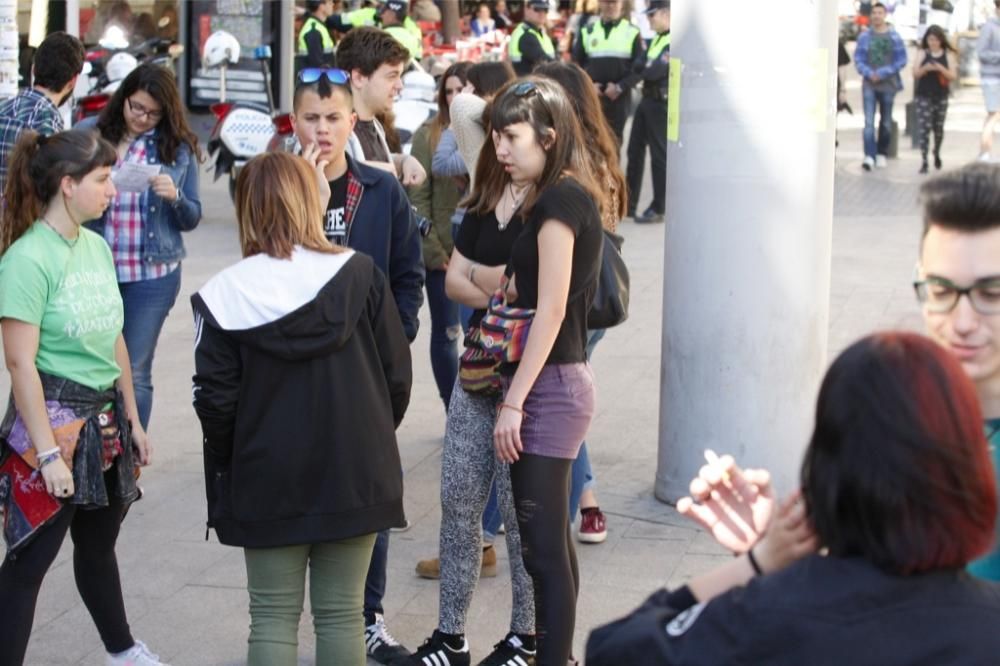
x=333 y=75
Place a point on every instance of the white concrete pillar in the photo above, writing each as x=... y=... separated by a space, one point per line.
x=9 y=48
x=747 y=244
x=73 y=17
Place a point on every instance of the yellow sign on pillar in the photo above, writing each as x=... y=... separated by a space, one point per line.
x=674 y=101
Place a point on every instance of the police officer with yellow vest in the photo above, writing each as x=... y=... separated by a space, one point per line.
x=530 y=44
x=373 y=17
x=392 y=15
x=316 y=46
x=649 y=126
x=611 y=50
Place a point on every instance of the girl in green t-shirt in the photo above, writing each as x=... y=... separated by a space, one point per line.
x=73 y=413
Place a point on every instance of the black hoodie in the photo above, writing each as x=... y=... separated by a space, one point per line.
x=302 y=373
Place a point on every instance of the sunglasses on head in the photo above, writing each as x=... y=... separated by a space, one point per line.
x=524 y=88
x=333 y=75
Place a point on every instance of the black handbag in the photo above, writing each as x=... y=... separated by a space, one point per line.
x=610 y=306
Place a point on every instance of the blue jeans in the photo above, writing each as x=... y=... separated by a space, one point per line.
x=445 y=331
x=147 y=304
x=375 y=580
x=884 y=101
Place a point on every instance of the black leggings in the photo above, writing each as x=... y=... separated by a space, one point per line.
x=541 y=496
x=94 y=533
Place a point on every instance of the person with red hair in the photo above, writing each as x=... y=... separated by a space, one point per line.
x=897 y=491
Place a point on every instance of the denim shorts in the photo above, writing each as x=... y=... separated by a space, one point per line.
x=558 y=410
x=991 y=94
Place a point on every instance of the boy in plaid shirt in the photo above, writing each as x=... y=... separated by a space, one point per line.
x=55 y=67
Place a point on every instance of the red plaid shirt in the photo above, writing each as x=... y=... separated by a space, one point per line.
x=125 y=224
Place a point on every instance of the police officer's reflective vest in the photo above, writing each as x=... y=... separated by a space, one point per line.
x=361 y=17
x=313 y=23
x=514 y=51
x=660 y=44
x=407 y=39
x=617 y=43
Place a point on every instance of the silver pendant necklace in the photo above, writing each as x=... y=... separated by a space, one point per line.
x=69 y=243
x=515 y=202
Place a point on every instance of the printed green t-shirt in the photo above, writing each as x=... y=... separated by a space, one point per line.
x=71 y=294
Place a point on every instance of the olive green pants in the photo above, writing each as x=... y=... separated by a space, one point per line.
x=276 y=580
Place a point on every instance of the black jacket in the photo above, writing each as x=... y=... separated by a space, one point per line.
x=382 y=226
x=302 y=374
x=820 y=611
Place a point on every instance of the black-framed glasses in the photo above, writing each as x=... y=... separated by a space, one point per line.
x=524 y=88
x=940 y=296
x=140 y=111
x=333 y=75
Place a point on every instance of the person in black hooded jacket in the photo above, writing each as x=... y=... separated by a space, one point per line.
x=302 y=373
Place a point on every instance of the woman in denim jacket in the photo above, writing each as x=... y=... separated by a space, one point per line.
x=147 y=124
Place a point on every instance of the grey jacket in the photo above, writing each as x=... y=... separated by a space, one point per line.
x=988 y=48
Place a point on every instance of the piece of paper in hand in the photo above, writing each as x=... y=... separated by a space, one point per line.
x=132 y=177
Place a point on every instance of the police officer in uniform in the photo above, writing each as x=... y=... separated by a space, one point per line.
x=316 y=46
x=392 y=15
x=529 y=43
x=611 y=51
x=649 y=126
x=372 y=17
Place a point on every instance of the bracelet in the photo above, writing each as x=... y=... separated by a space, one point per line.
x=501 y=406
x=754 y=563
x=49 y=456
x=472 y=273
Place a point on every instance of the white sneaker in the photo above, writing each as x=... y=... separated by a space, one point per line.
x=984 y=157
x=868 y=164
x=137 y=655
x=881 y=162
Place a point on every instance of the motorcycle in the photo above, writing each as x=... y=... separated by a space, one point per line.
x=106 y=66
x=242 y=130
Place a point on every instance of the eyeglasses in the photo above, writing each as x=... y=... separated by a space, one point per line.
x=940 y=296
x=139 y=111
x=333 y=75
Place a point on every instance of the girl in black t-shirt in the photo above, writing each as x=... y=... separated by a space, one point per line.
x=541 y=166
x=934 y=75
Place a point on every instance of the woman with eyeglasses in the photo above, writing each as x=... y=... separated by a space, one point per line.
x=147 y=124
x=70 y=441
x=541 y=168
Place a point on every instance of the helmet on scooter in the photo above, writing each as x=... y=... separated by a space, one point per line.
x=120 y=65
x=220 y=47
x=419 y=85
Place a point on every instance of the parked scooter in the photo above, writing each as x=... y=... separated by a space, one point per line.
x=107 y=66
x=242 y=129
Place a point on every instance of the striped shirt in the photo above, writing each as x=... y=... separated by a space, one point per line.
x=125 y=227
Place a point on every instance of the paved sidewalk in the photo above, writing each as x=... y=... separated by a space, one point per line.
x=186 y=597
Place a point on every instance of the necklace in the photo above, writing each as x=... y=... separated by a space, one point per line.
x=515 y=202
x=69 y=243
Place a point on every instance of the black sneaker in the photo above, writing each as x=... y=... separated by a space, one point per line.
x=435 y=652
x=511 y=651
x=381 y=646
x=649 y=217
